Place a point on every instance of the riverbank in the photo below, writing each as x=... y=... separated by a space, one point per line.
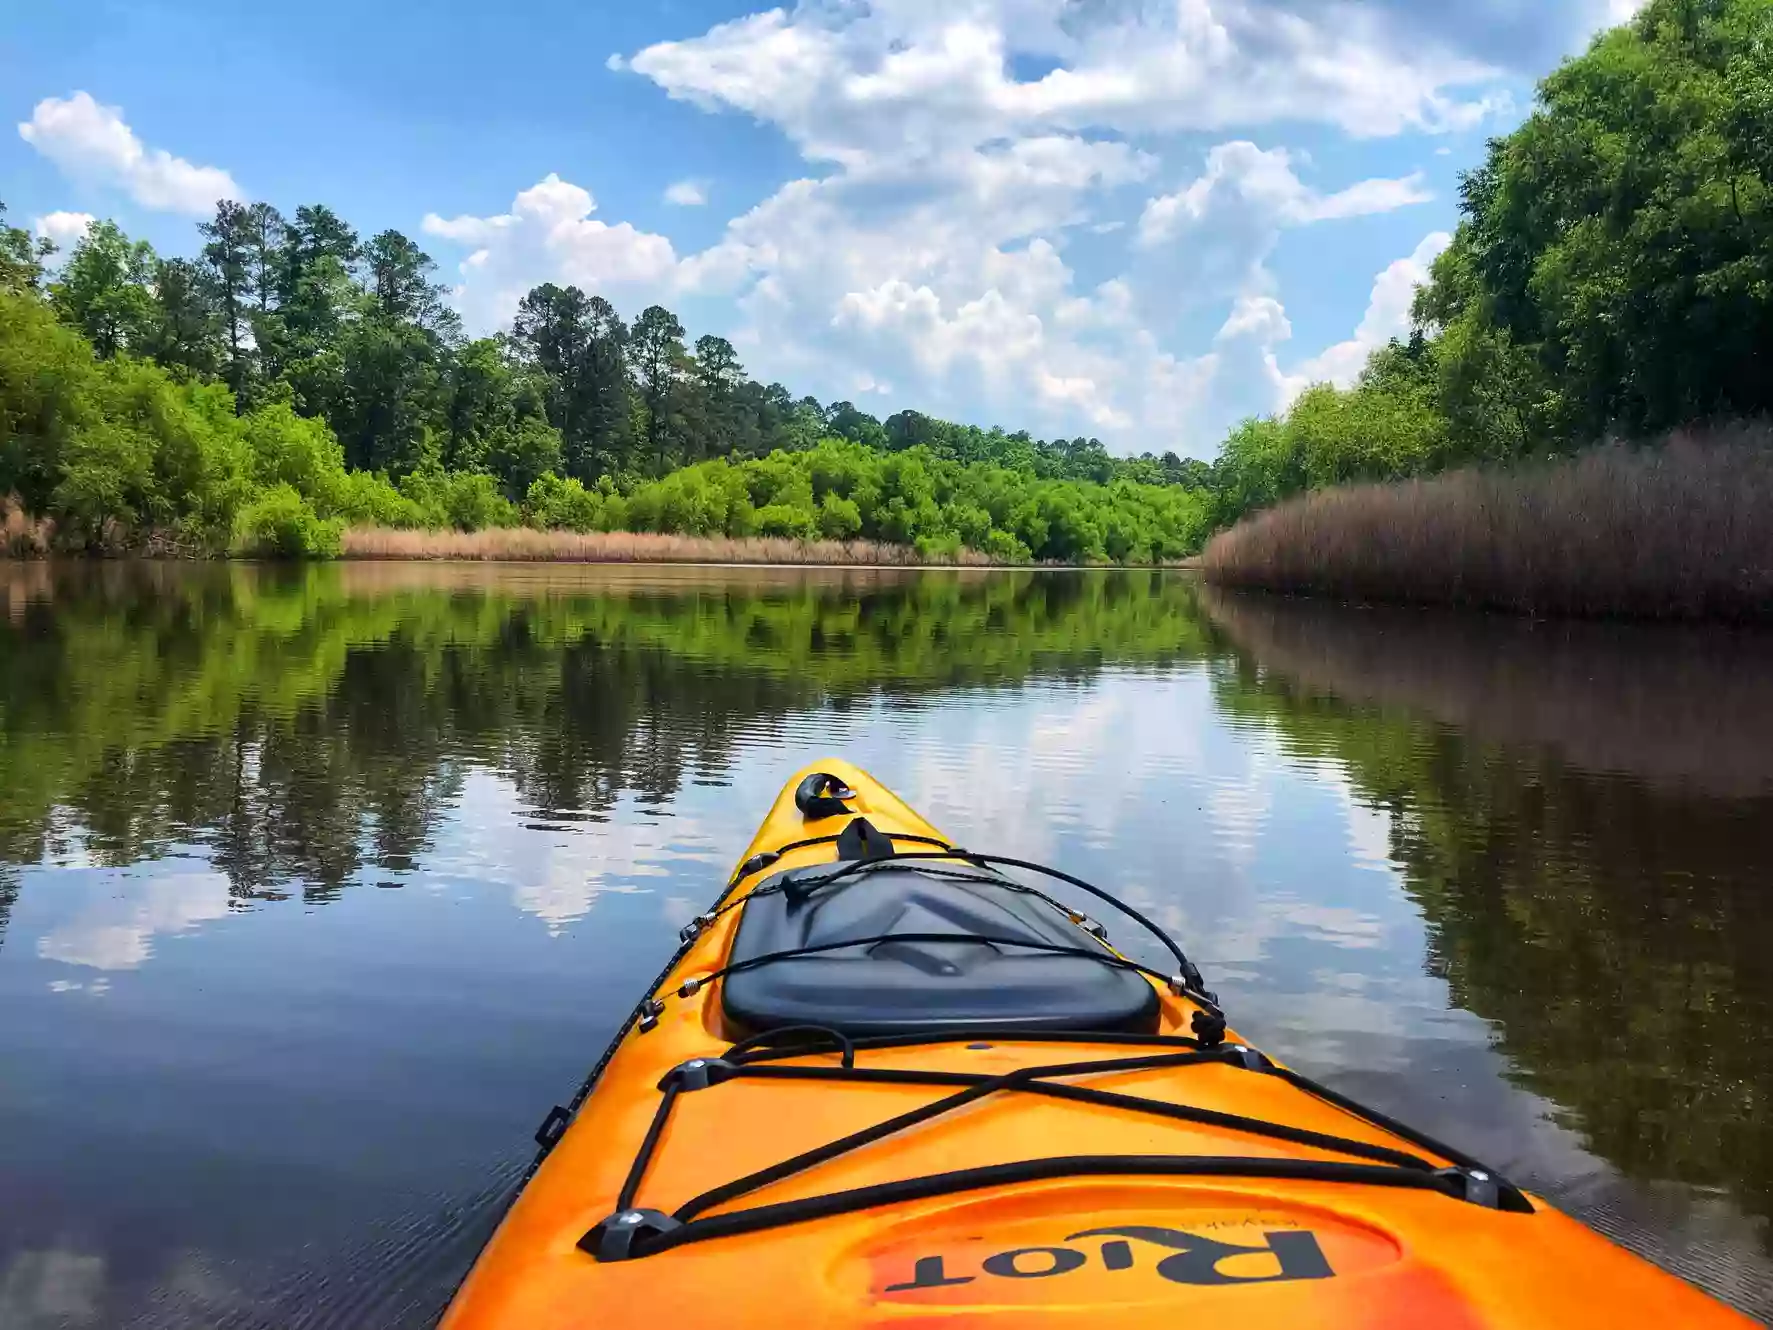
x=526 y=545
x=24 y=539
x=1679 y=531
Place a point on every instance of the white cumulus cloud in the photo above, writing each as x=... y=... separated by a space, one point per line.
x=686 y=193
x=945 y=277
x=91 y=141
x=1387 y=316
x=548 y=235
x=978 y=225
x=844 y=80
x=63 y=228
x=1267 y=180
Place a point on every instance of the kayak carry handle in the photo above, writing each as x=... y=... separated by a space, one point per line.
x=821 y=795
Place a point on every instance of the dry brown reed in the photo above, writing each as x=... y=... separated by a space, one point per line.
x=22 y=536
x=1680 y=531
x=524 y=545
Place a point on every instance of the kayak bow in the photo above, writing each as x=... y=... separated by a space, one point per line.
x=927 y=1090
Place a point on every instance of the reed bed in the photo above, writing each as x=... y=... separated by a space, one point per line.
x=23 y=537
x=1679 y=531
x=525 y=545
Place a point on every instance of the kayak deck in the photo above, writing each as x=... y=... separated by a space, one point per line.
x=815 y=1177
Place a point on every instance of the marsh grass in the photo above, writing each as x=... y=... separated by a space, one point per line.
x=1679 y=531
x=21 y=536
x=525 y=545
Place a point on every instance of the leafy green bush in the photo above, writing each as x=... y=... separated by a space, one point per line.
x=839 y=518
x=523 y=453
x=939 y=549
x=151 y=453
x=48 y=397
x=712 y=499
x=298 y=451
x=566 y=504
x=782 y=519
x=465 y=500
x=842 y=490
x=281 y=524
x=1002 y=545
x=365 y=498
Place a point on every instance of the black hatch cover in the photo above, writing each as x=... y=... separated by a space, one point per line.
x=891 y=987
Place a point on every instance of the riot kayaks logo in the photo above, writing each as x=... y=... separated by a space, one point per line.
x=1192 y=1259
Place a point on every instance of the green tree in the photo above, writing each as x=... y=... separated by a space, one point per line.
x=317 y=299
x=1615 y=262
x=401 y=286
x=847 y=422
x=393 y=363
x=266 y=237
x=21 y=257
x=657 y=346
x=105 y=290
x=185 y=333
x=49 y=395
x=316 y=292
x=391 y=395
x=716 y=375
x=578 y=344
x=228 y=251
x=497 y=418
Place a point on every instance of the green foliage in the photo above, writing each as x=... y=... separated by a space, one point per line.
x=465 y=500
x=839 y=518
x=287 y=449
x=712 y=499
x=521 y=453
x=564 y=504
x=782 y=519
x=841 y=490
x=659 y=360
x=366 y=498
x=1614 y=270
x=105 y=290
x=48 y=397
x=21 y=258
x=1613 y=274
x=281 y=524
x=156 y=454
x=345 y=380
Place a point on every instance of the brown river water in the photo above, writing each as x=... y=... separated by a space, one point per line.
x=318 y=886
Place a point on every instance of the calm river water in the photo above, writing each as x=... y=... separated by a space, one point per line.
x=317 y=887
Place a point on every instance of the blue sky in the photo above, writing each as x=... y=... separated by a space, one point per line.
x=1138 y=219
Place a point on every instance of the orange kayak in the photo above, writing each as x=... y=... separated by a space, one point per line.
x=890 y=1082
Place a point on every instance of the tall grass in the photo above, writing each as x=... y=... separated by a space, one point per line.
x=522 y=545
x=21 y=536
x=1680 y=531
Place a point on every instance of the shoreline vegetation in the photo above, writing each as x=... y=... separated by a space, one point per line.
x=294 y=381
x=1680 y=530
x=24 y=538
x=1611 y=278
x=527 y=545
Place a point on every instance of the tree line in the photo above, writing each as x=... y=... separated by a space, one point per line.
x=1611 y=276
x=360 y=399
